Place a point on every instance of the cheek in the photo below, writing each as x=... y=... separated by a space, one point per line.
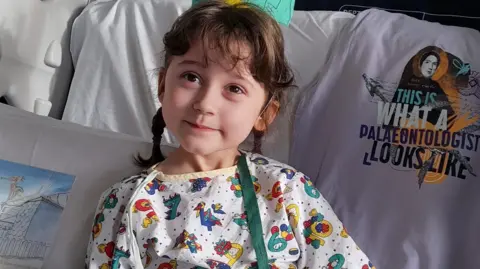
x=175 y=103
x=177 y=96
x=239 y=121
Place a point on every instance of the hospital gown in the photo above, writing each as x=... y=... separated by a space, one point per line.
x=197 y=220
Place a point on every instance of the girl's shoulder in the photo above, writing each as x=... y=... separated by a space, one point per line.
x=133 y=180
x=265 y=168
x=126 y=187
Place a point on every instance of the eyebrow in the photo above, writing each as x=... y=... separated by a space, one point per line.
x=200 y=64
x=192 y=62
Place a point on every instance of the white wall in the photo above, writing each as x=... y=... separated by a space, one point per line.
x=27 y=27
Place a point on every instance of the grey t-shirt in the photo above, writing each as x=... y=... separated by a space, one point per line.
x=390 y=136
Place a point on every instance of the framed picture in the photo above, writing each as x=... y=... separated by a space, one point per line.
x=31 y=203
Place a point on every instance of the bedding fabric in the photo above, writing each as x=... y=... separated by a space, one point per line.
x=117 y=49
x=390 y=137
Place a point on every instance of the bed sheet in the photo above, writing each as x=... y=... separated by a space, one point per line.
x=117 y=46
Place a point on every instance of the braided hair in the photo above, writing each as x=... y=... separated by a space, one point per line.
x=257 y=141
x=158 y=126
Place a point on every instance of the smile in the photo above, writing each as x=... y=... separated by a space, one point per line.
x=199 y=127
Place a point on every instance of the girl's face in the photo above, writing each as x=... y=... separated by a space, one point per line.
x=207 y=103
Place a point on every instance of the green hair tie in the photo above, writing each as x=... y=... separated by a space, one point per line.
x=280 y=10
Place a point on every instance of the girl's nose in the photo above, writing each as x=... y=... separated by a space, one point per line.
x=207 y=100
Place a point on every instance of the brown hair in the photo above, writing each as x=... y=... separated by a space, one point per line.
x=219 y=25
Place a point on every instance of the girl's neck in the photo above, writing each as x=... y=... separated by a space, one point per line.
x=181 y=161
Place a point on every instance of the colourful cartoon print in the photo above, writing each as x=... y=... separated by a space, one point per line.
x=172 y=203
x=144 y=205
x=199 y=183
x=280 y=236
x=187 y=240
x=207 y=218
x=232 y=251
x=205 y=225
x=309 y=188
x=316 y=229
x=155 y=185
x=236 y=187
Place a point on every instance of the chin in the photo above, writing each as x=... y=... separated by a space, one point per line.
x=198 y=148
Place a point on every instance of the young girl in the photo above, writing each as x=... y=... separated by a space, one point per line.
x=209 y=205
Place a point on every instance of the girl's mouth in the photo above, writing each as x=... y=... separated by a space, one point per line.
x=199 y=127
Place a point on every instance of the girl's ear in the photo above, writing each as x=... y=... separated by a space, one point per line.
x=161 y=84
x=267 y=117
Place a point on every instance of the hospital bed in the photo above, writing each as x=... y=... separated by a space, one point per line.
x=93 y=126
x=111 y=90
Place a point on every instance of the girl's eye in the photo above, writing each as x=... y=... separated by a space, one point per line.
x=190 y=77
x=235 y=89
